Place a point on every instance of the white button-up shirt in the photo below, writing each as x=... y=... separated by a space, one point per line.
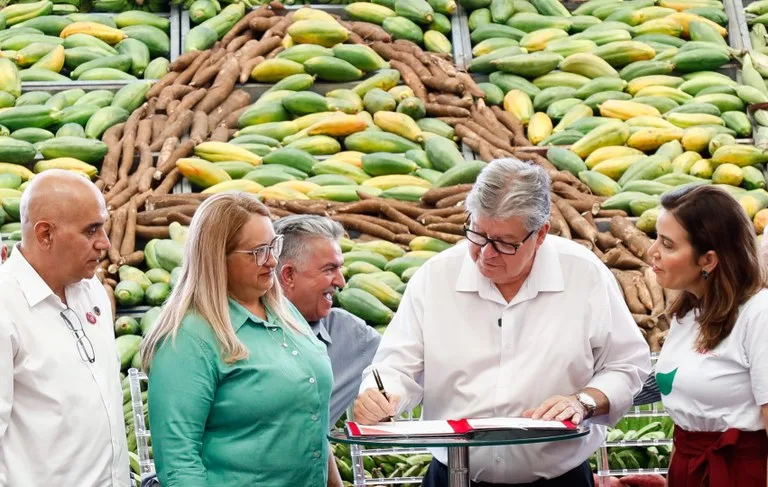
x=478 y=355
x=61 y=418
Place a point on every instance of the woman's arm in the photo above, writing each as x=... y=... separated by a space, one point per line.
x=182 y=385
x=334 y=477
x=764 y=409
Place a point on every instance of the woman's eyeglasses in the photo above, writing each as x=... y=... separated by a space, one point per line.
x=262 y=252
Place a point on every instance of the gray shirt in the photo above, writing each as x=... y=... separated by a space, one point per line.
x=351 y=346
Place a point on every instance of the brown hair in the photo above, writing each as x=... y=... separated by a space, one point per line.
x=715 y=221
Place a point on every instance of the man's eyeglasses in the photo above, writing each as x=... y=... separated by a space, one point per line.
x=262 y=252
x=84 y=345
x=499 y=246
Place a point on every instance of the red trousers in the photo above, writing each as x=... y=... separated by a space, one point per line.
x=733 y=458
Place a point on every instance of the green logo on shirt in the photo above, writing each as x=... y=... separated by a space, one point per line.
x=665 y=381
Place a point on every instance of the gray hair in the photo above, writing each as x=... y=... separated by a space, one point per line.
x=298 y=230
x=509 y=188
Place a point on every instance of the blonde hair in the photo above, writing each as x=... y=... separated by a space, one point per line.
x=202 y=283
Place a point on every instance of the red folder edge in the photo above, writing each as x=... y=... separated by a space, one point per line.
x=460 y=426
x=353 y=428
x=569 y=425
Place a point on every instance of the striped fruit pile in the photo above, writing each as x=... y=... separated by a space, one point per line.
x=79 y=46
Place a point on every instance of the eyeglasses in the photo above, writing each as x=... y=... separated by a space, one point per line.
x=499 y=246
x=262 y=252
x=84 y=345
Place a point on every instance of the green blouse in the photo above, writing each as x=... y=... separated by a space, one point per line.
x=258 y=422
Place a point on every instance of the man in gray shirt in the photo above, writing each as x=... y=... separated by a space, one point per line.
x=310 y=272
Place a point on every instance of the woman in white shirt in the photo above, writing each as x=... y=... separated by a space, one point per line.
x=713 y=368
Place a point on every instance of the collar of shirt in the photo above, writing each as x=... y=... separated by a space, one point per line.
x=239 y=315
x=321 y=331
x=34 y=288
x=546 y=276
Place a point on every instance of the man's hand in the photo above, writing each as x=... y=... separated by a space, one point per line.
x=558 y=408
x=372 y=407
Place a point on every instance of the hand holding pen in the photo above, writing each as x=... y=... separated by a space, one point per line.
x=374 y=404
x=380 y=385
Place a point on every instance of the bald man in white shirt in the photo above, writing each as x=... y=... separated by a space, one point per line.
x=513 y=322
x=61 y=414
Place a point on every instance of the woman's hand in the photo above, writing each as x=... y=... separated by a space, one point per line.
x=764 y=410
x=372 y=407
x=558 y=408
x=334 y=477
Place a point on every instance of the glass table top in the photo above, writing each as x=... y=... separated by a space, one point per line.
x=474 y=438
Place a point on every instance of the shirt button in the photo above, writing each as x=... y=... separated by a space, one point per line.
x=314 y=417
x=316 y=454
x=509 y=346
x=295 y=353
x=497 y=459
x=311 y=380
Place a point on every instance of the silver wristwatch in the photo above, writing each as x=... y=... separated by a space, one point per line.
x=588 y=402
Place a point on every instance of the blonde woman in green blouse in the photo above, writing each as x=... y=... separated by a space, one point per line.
x=239 y=387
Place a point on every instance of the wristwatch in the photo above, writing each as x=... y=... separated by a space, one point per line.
x=588 y=402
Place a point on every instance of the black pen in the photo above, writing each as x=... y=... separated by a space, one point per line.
x=380 y=385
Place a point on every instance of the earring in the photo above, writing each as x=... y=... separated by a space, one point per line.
x=704 y=275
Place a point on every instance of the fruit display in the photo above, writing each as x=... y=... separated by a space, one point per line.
x=305 y=34
x=41 y=131
x=422 y=22
x=376 y=147
x=657 y=431
x=162 y=258
x=66 y=7
x=616 y=83
x=377 y=155
x=48 y=47
x=406 y=467
x=640 y=442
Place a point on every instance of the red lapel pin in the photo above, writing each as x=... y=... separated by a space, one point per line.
x=90 y=317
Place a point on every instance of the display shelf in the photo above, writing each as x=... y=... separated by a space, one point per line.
x=462 y=46
x=143 y=435
x=394 y=481
x=370 y=452
x=738 y=31
x=738 y=10
x=133 y=312
x=358 y=464
x=644 y=443
x=605 y=474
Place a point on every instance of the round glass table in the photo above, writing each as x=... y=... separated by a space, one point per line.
x=458 y=446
